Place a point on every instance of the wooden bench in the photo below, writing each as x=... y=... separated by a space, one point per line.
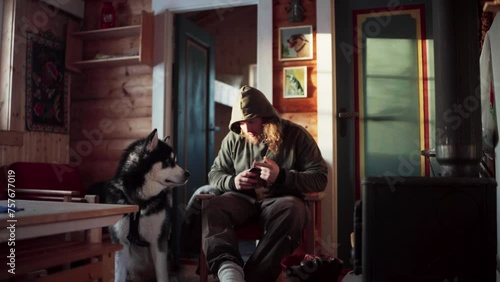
x=43 y=251
x=53 y=258
x=54 y=195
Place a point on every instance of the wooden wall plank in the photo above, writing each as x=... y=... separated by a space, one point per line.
x=100 y=73
x=127 y=107
x=37 y=147
x=11 y=138
x=113 y=80
x=112 y=85
x=127 y=128
x=309 y=120
x=107 y=150
x=122 y=91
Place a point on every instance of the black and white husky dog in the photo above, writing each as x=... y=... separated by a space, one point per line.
x=146 y=173
x=295 y=85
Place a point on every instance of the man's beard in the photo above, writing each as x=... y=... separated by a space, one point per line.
x=252 y=139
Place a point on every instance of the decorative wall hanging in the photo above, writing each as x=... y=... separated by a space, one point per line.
x=296 y=43
x=295 y=82
x=47 y=101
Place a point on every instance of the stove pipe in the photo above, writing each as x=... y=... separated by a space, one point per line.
x=458 y=103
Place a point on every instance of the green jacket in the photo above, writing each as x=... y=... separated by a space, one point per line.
x=302 y=168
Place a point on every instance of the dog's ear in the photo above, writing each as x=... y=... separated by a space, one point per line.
x=166 y=139
x=151 y=141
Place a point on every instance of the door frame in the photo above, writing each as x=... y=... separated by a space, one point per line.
x=327 y=95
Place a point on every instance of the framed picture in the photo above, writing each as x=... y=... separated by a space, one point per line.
x=296 y=43
x=47 y=99
x=295 y=82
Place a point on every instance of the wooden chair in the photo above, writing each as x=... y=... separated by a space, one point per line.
x=253 y=231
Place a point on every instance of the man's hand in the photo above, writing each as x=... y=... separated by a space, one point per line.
x=246 y=180
x=269 y=170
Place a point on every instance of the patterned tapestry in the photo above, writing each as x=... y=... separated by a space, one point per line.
x=47 y=101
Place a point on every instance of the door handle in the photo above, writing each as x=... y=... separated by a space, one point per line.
x=343 y=116
x=214 y=128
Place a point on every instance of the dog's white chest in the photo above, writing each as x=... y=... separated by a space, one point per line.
x=150 y=227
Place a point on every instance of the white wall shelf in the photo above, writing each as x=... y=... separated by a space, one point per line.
x=76 y=41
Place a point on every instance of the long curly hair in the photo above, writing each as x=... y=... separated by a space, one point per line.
x=272 y=135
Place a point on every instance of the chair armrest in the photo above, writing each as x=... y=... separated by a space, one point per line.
x=314 y=196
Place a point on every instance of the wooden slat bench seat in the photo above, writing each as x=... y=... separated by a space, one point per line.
x=44 y=251
x=62 y=260
x=48 y=195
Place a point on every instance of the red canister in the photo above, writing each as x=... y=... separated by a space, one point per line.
x=108 y=17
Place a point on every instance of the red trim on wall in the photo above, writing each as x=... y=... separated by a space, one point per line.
x=356 y=108
x=425 y=81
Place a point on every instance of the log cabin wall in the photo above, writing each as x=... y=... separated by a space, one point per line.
x=34 y=17
x=300 y=110
x=110 y=107
x=34 y=147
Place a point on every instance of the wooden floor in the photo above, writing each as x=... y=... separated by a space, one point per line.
x=187 y=273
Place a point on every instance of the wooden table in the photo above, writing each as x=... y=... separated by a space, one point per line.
x=39 y=219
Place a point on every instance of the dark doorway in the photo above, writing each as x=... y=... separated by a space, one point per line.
x=212 y=48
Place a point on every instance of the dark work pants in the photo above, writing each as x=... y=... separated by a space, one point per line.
x=283 y=219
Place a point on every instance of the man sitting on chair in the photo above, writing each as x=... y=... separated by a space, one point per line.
x=264 y=167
